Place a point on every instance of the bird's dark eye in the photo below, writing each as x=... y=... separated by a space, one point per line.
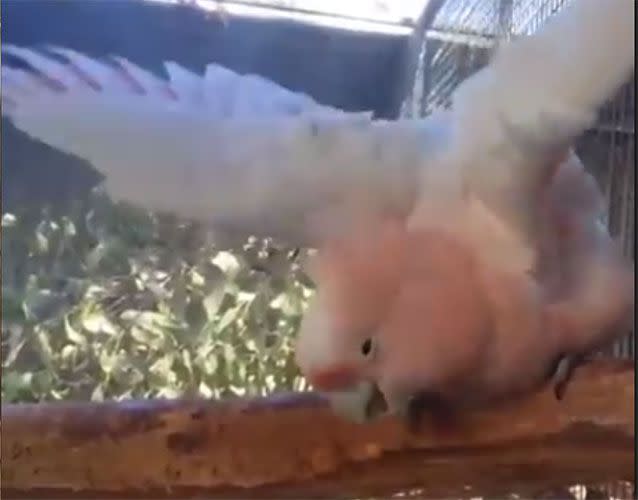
x=366 y=347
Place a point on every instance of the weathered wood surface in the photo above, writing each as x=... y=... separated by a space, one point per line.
x=291 y=446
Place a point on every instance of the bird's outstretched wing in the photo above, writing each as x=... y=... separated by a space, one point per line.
x=236 y=151
x=242 y=152
x=515 y=119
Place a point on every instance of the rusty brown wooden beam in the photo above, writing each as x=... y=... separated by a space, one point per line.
x=291 y=446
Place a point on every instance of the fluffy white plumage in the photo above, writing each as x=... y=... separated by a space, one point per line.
x=224 y=148
x=537 y=95
x=245 y=154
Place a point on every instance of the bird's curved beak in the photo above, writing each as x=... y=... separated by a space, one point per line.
x=361 y=403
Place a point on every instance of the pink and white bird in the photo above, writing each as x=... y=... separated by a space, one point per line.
x=460 y=255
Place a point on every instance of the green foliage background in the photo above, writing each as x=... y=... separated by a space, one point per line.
x=109 y=302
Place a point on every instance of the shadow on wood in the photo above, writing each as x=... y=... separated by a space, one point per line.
x=291 y=446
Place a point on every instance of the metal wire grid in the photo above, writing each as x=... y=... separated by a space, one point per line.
x=529 y=15
x=478 y=17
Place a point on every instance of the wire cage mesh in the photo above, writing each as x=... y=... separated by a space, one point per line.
x=461 y=39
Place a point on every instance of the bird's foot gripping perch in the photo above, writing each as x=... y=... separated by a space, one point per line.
x=563 y=372
x=442 y=417
x=370 y=404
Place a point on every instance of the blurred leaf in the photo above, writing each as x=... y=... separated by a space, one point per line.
x=229 y=353
x=42 y=242
x=14 y=384
x=229 y=317
x=98 y=393
x=186 y=359
x=212 y=301
x=288 y=303
x=16 y=343
x=179 y=298
x=227 y=262
x=68 y=227
x=12 y=309
x=121 y=303
x=150 y=338
x=195 y=314
x=125 y=372
x=163 y=366
x=94 y=321
x=44 y=344
x=73 y=335
x=68 y=354
x=40 y=305
x=168 y=393
x=205 y=391
x=9 y=220
x=108 y=361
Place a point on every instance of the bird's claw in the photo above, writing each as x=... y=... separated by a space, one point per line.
x=412 y=414
x=431 y=404
x=563 y=374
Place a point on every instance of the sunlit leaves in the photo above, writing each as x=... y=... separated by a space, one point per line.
x=109 y=302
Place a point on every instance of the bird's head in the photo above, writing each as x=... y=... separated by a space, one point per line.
x=397 y=312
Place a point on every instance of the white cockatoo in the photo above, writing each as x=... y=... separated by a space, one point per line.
x=460 y=255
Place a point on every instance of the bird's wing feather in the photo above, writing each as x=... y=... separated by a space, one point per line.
x=517 y=117
x=236 y=151
x=242 y=152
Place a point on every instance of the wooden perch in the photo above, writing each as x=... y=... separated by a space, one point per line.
x=292 y=446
